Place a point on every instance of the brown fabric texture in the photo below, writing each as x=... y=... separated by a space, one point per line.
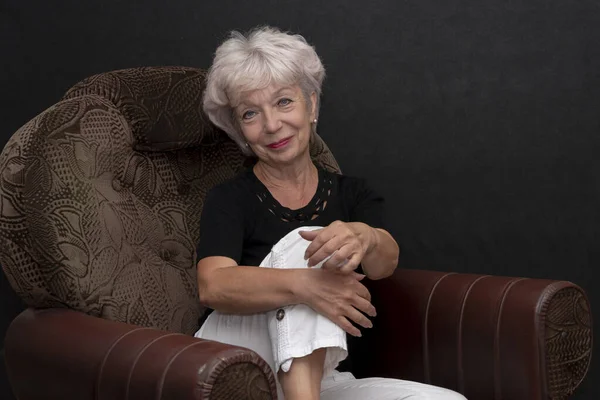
x=92 y=224
x=162 y=105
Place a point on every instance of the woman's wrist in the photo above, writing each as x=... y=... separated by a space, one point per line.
x=367 y=235
x=296 y=283
x=381 y=255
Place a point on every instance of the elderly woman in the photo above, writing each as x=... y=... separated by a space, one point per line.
x=308 y=230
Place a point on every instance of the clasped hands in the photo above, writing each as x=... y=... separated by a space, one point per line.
x=345 y=242
x=335 y=290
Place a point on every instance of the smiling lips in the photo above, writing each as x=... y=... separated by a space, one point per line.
x=280 y=144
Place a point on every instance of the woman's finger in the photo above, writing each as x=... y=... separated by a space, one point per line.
x=352 y=264
x=338 y=258
x=326 y=250
x=310 y=235
x=360 y=290
x=347 y=326
x=364 y=305
x=358 y=317
x=317 y=242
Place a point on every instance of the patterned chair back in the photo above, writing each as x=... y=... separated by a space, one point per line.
x=101 y=196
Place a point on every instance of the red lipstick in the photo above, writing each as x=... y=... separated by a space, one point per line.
x=280 y=144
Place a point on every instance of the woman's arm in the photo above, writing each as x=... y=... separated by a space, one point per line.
x=381 y=257
x=229 y=288
x=350 y=244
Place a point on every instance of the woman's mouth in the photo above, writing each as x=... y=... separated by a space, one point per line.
x=280 y=144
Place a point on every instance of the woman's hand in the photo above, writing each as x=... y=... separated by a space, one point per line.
x=346 y=243
x=339 y=297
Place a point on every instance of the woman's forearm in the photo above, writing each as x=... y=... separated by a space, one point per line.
x=247 y=290
x=381 y=257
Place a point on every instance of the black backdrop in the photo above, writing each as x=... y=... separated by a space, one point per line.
x=478 y=120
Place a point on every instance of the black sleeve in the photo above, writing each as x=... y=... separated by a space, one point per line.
x=368 y=207
x=221 y=226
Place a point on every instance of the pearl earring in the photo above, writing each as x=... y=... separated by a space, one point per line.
x=314 y=121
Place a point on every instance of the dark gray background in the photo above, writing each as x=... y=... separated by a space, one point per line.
x=478 y=120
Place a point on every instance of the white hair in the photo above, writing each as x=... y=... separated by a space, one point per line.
x=254 y=61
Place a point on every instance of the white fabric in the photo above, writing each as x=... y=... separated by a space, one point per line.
x=343 y=386
x=297 y=334
x=300 y=332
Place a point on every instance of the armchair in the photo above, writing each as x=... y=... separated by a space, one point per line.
x=101 y=197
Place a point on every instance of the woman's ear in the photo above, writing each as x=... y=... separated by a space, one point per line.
x=313 y=102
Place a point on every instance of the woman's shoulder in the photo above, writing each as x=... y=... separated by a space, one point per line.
x=232 y=188
x=346 y=183
x=354 y=189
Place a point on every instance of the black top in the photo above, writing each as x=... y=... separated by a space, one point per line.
x=243 y=221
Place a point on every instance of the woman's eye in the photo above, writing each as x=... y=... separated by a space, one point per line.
x=284 y=102
x=248 y=114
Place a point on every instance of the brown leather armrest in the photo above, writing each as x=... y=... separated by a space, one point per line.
x=486 y=337
x=63 y=354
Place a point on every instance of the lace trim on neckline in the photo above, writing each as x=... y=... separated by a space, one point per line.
x=311 y=211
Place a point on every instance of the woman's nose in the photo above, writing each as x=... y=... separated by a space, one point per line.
x=272 y=122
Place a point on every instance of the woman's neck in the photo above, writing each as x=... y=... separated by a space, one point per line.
x=293 y=186
x=295 y=174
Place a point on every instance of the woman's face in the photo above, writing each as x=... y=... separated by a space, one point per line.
x=276 y=122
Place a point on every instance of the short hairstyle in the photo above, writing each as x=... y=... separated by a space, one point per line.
x=262 y=57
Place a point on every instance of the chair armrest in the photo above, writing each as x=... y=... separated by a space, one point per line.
x=484 y=336
x=63 y=354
